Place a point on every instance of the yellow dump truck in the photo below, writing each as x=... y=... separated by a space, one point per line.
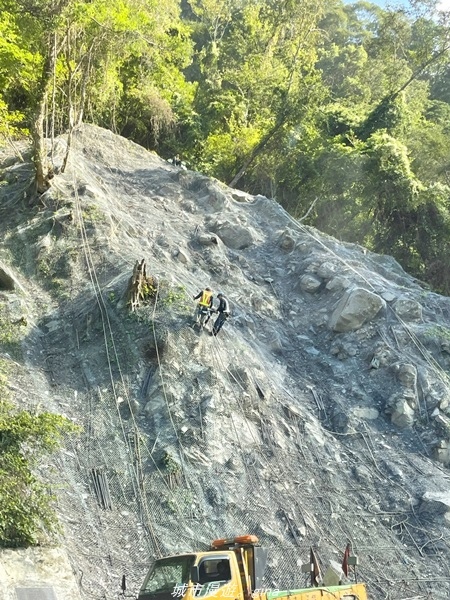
x=232 y=569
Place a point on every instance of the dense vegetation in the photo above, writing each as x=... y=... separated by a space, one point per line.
x=337 y=109
x=27 y=515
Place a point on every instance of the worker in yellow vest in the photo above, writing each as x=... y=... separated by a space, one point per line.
x=204 y=306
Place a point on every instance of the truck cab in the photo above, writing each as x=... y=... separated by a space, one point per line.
x=232 y=569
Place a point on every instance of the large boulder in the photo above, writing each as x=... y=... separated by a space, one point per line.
x=407 y=375
x=207 y=239
x=286 y=240
x=233 y=235
x=408 y=309
x=366 y=413
x=210 y=195
x=338 y=283
x=436 y=502
x=402 y=414
x=442 y=422
x=328 y=270
x=310 y=283
x=356 y=307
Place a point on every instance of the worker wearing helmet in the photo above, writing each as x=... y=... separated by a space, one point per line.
x=205 y=298
x=224 y=312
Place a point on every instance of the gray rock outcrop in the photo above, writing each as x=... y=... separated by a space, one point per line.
x=289 y=418
x=356 y=307
x=408 y=309
x=233 y=234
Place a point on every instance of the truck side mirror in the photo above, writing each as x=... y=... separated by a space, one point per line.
x=195 y=575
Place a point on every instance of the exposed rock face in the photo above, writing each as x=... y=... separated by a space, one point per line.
x=309 y=283
x=382 y=356
x=364 y=412
x=402 y=412
x=338 y=283
x=442 y=452
x=234 y=235
x=356 y=307
x=7 y=281
x=287 y=241
x=403 y=404
x=407 y=375
x=215 y=200
x=436 y=502
x=207 y=239
x=285 y=420
x=43 y=570
x=328 y=270
x=408 y=309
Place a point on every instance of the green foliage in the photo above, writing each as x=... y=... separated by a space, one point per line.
x=180 y=501
x=149 y=288
x=19 y=62
x=145 y=116
x=114 y=61
x=390 y=162
x=170 y=464
x=10 y=122
x=221 y=152
x=174 y=296
x=433 y=235
x=26 y=504
x=344 y=106
x=138 y=84
x=92 y=214
x=340 y=120
x=386 y=115
x=254 y=66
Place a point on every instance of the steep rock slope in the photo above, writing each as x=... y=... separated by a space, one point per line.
x=320 y=414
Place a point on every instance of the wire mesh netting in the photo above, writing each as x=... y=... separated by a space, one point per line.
x=187 y=437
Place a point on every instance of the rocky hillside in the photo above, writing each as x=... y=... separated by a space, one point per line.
x=319 y=415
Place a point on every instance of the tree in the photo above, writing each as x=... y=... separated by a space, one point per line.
x=393 y=192
x=26 y=511
x=81 y=55
x=255 y=76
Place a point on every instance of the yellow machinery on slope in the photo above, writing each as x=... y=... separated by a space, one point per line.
x=232 y=569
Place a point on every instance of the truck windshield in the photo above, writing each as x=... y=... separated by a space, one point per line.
x=168 y=574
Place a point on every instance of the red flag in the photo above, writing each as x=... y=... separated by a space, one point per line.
x=315 y=569
x=345 y=560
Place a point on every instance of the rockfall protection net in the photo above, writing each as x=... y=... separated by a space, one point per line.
x=287 y=492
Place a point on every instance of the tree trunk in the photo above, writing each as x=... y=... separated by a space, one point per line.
x=140 y=286
x=42 y=179
x=43 y=170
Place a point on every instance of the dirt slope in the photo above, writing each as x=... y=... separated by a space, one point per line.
x=320 y=414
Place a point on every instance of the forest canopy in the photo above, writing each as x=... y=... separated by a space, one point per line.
x=339 y=111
